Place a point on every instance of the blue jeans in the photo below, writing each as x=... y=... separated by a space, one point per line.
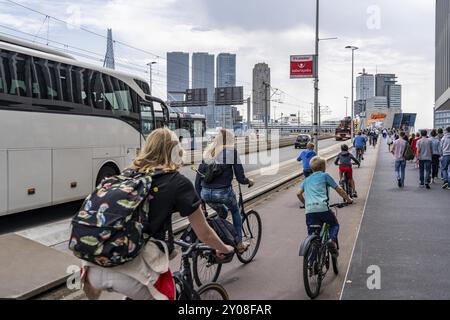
x=445 y=167
x=400 y=166
x=425 y=171
x=226 y=197
x=319 y=219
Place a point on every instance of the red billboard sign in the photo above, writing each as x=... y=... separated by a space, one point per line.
x=303 y=66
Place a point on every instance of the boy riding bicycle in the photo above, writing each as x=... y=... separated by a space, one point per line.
x=344 y=160
x=360 y=144
x=313 y=194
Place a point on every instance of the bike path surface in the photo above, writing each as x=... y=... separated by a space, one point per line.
x=405 y=232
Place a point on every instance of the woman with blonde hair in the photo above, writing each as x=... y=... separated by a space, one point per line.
x=221 y=162
x=148 y=276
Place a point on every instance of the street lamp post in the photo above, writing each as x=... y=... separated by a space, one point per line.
x=150 y=64
x=353 y=48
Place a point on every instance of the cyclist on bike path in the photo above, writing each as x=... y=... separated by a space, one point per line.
x=314 y=195
x=360 y=144
x=344 y=160
x=147 y=277
x=215 y=175
x=306 y=157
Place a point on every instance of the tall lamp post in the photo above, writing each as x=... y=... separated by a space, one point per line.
x=150 y=64
x=353 y=48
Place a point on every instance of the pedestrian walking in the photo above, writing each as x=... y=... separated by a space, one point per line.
x=436 y=149
x=390 y=141
x=398 y=150
x=424 y=155
x=445 y=162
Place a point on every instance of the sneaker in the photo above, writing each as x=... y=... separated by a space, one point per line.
x=445 y=185
x=427 y=186
x=355 y=194
x=422 y=186
x=242 y=246
x=332 y=247
x=399 y=181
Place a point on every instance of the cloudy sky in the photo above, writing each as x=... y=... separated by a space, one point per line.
x=394 y=36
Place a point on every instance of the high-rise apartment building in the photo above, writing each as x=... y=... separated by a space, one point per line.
x=203 y=77
x=442 y=89
x=177 y=76
x=225 y=77
x=261 y=77
x=365 y=86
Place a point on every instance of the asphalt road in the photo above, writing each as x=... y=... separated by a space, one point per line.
x=404 y=239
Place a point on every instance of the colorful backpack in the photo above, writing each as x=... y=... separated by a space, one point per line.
x=108 y=229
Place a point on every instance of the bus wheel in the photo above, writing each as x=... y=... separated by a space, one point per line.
x=106 y=171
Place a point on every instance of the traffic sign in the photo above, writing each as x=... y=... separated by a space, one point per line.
x=303 y=66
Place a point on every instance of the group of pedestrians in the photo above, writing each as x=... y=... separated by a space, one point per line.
x=430 y=154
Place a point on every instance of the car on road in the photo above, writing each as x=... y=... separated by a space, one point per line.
x=302 y=141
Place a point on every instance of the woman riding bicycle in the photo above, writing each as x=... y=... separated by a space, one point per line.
x=213 y=183
x=172 y=192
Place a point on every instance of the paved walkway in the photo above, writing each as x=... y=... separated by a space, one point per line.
x=406 y=233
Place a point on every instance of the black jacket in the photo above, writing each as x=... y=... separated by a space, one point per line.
x=344 y=159
x=231 y=167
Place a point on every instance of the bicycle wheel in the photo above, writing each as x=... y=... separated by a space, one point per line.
x=334 y=261
x=251 y=232
x=212 y=291
x=204 y=268
x=312 y=277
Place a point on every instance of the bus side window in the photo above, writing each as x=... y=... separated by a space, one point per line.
x=63 y=79
x=77 y=79
x=3 y=88
x=108 y=93
x=20 y=76
x=97 y=90
x=54 y=88
x=85 y=92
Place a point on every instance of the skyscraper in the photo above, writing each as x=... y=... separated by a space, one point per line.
x=395 y=96
x=382 y=83
x=177 y=76
x=226 y=70
x=442 y=89
x=261 y=76
x=365 y=86
x=386 y=86
x=203 y=77
x=226 y=77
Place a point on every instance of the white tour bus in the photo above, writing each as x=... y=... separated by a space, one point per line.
x=65 y=124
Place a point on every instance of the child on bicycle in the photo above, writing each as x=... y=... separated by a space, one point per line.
x=313 y=194
x=344 y=160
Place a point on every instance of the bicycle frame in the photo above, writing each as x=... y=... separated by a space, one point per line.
x=244 y=214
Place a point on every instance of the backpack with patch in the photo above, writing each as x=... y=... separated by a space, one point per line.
x=108 y=229
x=408 y=154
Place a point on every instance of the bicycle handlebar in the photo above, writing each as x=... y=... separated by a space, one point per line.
x=336 y=205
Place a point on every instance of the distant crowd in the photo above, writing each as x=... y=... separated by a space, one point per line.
x=429 y=151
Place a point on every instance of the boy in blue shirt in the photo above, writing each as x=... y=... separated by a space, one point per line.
x=313 y=194
x=306 y=157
